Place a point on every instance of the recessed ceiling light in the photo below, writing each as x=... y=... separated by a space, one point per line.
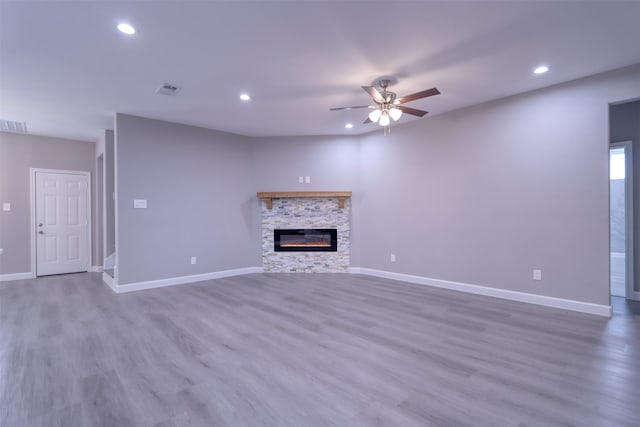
x=541 y=69
x=126 y=28
x=349 y=125
x=245 y=97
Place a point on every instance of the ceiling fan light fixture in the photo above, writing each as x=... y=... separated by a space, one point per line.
x=395 y=113
x=374 y=116
x=384 y=119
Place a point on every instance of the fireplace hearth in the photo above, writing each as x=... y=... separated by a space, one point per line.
x=305 y=240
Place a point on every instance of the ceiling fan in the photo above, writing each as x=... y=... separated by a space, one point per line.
x=388 y=105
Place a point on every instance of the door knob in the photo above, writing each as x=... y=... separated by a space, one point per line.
x=40 y=232
x=40 y=225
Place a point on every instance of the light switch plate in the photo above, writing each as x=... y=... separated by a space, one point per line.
x=307 y=179
x=6 y=206
x=140 y=204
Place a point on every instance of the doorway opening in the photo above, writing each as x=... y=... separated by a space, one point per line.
x=621 y=219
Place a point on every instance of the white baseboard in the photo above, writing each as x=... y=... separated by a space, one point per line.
x=110 y=281
x=172 y=281
x=16 y=276
x=96 y=269
x=583 y=307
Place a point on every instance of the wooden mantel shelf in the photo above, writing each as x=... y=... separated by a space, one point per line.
x=268 y=196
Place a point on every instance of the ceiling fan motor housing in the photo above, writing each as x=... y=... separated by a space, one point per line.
x=388 y=96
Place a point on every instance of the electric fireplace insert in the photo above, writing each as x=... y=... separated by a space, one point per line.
x=305 y=240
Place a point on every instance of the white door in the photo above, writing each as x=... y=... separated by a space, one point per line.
x=62 y=223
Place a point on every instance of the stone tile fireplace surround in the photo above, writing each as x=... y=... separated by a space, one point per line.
x=311 y=210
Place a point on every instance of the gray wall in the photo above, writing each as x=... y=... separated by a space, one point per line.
x=331 y=162
x=110 y=204
x=200 y=191
x=486 y=194
x=18 y=153
x=481 y=195
x=625 y=126
x=98 y=212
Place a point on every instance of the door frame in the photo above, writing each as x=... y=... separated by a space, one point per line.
x=629 y=236
x=32 y=200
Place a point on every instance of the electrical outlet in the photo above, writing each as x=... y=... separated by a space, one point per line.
x=301 y=179
x=140 y=204
x=537 y=274
x=307 y=179
x=194 y=260
x=393 y=257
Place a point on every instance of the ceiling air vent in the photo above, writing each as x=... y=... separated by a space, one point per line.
x=168 y=89
x=11 y=126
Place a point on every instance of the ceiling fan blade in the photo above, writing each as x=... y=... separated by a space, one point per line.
x=412 y=111
x=373 y=92
x=367 y=121
x=351 y=108
x=423 y=94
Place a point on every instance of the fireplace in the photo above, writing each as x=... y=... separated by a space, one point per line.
x=306 y=210
x=305 y=240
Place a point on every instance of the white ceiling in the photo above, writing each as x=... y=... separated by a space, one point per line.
x=65 y=69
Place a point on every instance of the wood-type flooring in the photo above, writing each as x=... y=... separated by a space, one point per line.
x=307 y=350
